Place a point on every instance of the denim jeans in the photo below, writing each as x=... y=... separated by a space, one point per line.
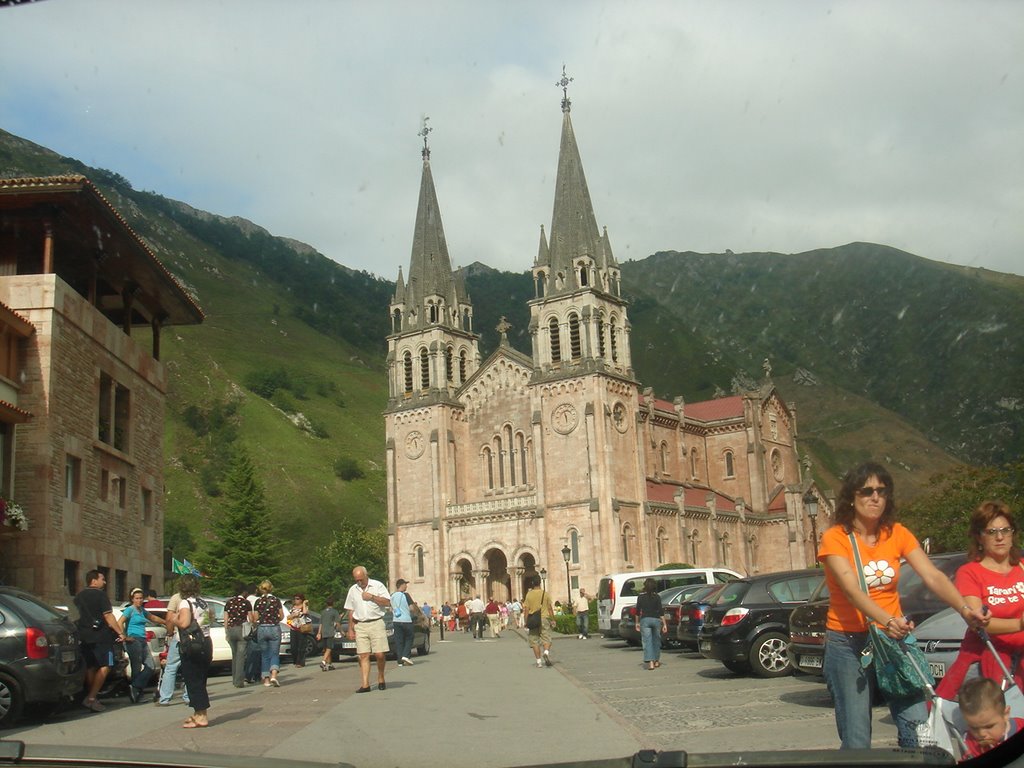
x=852 y=688
x=170 y=674
x=583 y=624
x=239 y=644
x=269 y=637
x=142 y=662
x=650 y=636
x=403 y=639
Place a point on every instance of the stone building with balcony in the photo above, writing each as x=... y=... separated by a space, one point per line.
x=560 y=461
x=81 y=398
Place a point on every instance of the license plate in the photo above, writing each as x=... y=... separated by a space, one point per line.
x=348 y=644
x=67 y=656
x=811 y=661
x=705 y=646
x=937 y=668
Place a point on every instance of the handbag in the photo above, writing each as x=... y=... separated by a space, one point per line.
x=192 y=640
x=533 y=619
x=900 y=666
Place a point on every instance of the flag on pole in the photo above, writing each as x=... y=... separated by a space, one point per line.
x=178 y=567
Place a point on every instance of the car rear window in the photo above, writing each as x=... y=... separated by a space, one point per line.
x=731 y=593
x=34 y=611
x=603 y=589
x=796 y=590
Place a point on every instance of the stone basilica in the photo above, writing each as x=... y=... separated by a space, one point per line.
x=559 y=462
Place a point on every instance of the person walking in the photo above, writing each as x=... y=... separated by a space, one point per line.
x=650 y=623
x=269 y=614
x=195 y=665
x=366 y=605
x=300 y=625
x=537 y=600
x=169 y=678
x=493 y=614
x=476 y=617
x=517 y=614
x=866 y=519
x=330 y=622
x=401 y=618
x=97 y=631
x=133 y=626
x=992 y=579
x=238 y=618
x=583 y=615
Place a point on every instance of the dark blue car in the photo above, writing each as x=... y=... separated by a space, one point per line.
x=691 y=615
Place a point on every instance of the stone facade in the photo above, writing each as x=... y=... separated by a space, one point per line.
x=87 y=458
x=497 y=470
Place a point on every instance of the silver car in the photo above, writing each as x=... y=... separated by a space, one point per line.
x=939 y=639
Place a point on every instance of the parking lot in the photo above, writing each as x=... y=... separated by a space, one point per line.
x=696 y=704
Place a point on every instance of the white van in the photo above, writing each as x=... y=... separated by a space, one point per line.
x=617 y=592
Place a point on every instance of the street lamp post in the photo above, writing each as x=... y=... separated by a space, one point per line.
x=544 y=577
x=811 y=505
x=566 y=554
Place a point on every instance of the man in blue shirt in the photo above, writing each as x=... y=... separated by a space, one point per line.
x=402 y=622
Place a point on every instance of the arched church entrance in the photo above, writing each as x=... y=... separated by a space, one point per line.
x=499 y=585
x=526 y=570
x=465 y=581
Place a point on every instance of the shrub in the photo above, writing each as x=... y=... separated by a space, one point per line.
x=347 y=468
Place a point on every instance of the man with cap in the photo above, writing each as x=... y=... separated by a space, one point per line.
x=403 y=623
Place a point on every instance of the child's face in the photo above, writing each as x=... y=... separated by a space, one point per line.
x=988 y=725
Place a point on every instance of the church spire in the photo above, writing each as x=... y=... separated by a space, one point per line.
x=431 y=295
x=574 y=231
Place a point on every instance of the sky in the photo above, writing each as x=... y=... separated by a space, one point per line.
x=703 y=126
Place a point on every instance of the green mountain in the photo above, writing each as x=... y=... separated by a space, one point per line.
x=885 y=354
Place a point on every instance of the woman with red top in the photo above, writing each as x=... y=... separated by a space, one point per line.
x=866 y=508
x=992 y=578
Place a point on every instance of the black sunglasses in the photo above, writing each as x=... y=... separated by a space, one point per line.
x=868 y=491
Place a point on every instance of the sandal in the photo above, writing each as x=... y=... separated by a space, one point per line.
x=190 y=723
x=657 y=664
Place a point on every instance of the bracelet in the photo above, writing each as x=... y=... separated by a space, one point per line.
x=890 y=621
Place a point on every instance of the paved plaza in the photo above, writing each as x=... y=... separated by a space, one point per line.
x=481 y=703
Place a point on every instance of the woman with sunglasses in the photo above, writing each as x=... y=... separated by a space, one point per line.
x=993 y=581
x=866 y=508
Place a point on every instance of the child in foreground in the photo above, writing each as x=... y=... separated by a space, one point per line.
x=984 y=709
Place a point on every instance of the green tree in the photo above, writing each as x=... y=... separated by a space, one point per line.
x=242 y=545
x=330 y=568
x=943 y=514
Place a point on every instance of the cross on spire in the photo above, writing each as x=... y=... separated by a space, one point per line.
x=424 y=132
x=564 y=85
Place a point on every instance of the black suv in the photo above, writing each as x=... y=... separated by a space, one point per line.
x=40 y=660
x=807 y=623
x=747 y=625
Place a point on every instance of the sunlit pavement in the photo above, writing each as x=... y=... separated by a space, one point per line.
x=597 y=701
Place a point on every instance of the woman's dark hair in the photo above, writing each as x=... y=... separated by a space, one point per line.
x=238 y=588
x=855 y=479
x=188 y=586
x=650 y=586
x=981 y=519
x=329 y=601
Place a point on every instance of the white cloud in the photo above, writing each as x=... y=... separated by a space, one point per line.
x=703 y=126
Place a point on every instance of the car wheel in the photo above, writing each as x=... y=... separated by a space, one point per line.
x=424 y=649
x=768 y=657
x=11 y=701
x=739 y=667
x=311 y=647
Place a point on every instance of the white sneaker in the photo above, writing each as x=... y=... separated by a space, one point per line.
x=406 y=661
x=547 y=658
x=540 y=663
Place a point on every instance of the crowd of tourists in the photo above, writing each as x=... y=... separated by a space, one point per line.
x=862 y=555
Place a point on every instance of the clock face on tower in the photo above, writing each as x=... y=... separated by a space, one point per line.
x=564 y=419
x=619 y=417
x=414 y=445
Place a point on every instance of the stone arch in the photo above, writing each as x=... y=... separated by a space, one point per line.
x=497 y=583
x=463 y=566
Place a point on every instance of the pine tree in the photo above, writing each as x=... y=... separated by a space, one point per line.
x=242 y=544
